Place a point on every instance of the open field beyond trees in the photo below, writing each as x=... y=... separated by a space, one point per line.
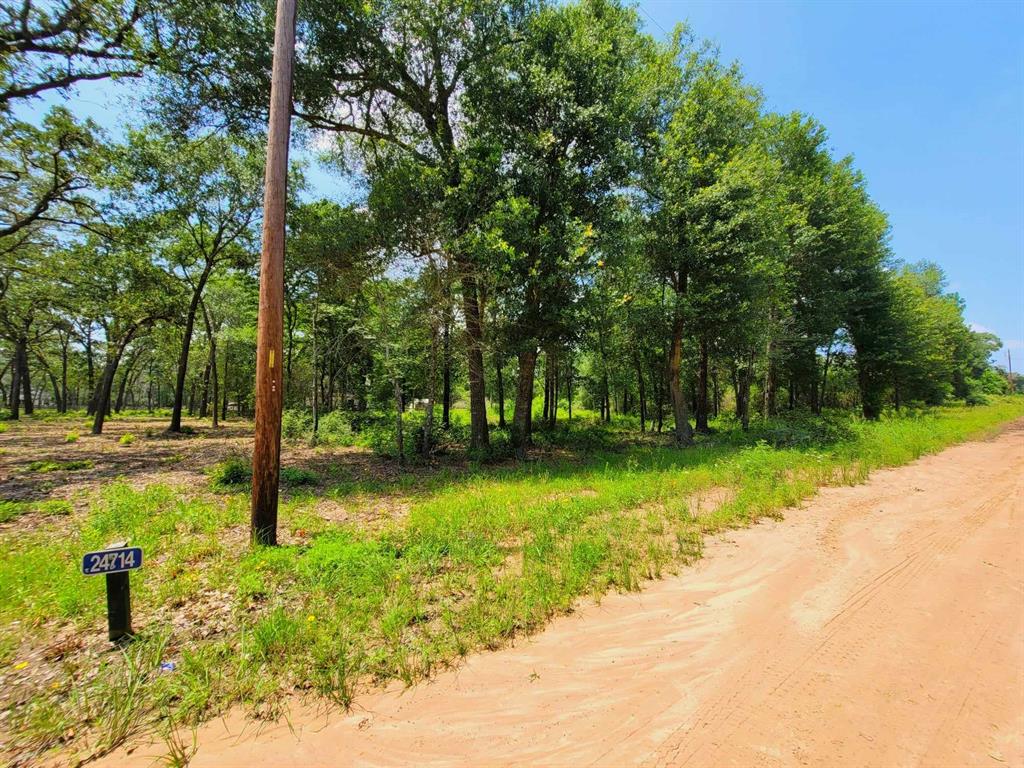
x=383 y=573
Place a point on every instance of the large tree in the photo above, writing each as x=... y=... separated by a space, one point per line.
x=394 y=73
x=202 y=198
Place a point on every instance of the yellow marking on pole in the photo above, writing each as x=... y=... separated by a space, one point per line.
x=271 y=358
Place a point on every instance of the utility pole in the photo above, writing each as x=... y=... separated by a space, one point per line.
x=266 y=458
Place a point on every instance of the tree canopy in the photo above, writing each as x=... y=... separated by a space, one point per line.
x=555 y=216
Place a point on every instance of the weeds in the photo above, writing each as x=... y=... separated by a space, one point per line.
x=71 y=437
x=127 y=439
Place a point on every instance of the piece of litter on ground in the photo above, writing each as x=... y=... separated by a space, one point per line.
x=167 y=666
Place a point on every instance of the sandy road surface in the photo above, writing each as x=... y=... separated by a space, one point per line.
x=882 y=625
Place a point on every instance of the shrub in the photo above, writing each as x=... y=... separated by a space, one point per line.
x=296 y=424
x=382 y=439
x=71 y=437
x=127 y=438
x=796 y=429
x=231 y=473
x=335 y=428
x=499 y=447
x=298 y=476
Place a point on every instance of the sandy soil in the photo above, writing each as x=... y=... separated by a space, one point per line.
x=881 y=625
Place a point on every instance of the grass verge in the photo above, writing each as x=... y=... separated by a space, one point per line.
x=476 y=561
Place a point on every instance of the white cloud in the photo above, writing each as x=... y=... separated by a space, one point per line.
x=979 y=328
x=1013 y=344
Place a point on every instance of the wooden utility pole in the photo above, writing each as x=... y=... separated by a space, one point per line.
x=266 y=458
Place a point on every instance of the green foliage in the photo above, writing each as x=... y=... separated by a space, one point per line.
x=126 y=439
x=335 y=428
x=71 y=437
x=295 y=476
x=296 y=424
x=231 y=473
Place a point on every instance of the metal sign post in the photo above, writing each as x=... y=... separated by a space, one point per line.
x=115 y=562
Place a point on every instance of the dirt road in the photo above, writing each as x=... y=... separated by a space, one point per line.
x=881 y=625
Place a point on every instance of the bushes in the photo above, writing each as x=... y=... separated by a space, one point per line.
x=231 y=473
x=797 y=429
x=335 y=429
x=296 y=424
x=235 y=473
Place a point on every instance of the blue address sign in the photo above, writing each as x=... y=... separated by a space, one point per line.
x=111 y=561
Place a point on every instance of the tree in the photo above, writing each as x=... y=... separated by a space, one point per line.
x=567 y=111
x=393 y=73
x=712 y=213
x=203 y=196
x=116 y=282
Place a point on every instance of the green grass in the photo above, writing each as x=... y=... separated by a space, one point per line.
x=127 y=439
x=478 y=559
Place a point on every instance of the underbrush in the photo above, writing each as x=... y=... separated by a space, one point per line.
x=235 y=473
x=477 y=560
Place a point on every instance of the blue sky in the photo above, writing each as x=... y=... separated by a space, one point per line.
x=927 y=97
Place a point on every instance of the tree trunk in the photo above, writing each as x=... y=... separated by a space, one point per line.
x=204 y=397
x=211 y=336
x=702 y=389
x=224 y=406
x=64 y=374
x=522 y=416
x=399 y=407
x=26 y=383
x=106 y=383
x=770 y=374
x=683 y=432
x=16 y=382
x=501 y=391
x=716 y=393
x=744 y=374
x=568 y=386
x=824 y=378
x=3 y=389
x=316 y=377
x=446 y=392
x=547 y=388
x=641 y=391
x=186 y=343
x=478 y=432
x=553 y=409
x=90 y=370
x=428 y=422
x=121 y=388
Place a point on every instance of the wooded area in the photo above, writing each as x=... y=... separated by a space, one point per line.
x=553 y=215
